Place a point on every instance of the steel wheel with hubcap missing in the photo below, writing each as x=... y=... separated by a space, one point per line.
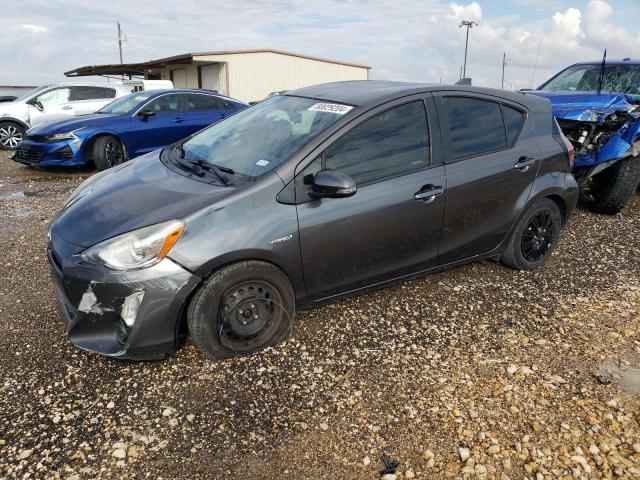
x=10 y=135
x=534 y=236
x=249 y=315
x=241 y=309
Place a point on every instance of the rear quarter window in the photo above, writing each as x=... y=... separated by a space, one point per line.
x=513 y=120
x=94 y=93
x=475 y=126
x=197 y=102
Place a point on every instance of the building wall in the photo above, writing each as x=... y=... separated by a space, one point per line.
x=252 y=76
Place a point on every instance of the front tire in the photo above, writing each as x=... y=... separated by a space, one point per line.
x=108 y=152
x=534 y=237
x=241 y=309
x=11 y=134
x=611 y=189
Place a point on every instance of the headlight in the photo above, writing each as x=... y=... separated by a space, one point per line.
x=137 y=249
x=63 y=136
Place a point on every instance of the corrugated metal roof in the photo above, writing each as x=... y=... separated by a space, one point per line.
x=139 y=68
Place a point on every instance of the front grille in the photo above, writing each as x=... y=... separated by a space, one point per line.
x=36 y=138
x=27 y=155
x=65 y=153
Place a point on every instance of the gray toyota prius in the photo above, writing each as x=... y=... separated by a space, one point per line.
x=305 y=197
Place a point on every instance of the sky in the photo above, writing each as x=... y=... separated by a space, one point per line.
x=409 y=40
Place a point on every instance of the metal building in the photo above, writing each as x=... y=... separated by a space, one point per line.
x=247 y=75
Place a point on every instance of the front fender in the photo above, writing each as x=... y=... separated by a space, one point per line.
x=248 y=224
x=15 y=120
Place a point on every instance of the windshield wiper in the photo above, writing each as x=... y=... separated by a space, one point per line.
x=210 y=167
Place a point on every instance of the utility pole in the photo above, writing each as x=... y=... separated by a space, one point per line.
x=119 y=41
x=504 y=62
x=468 y=24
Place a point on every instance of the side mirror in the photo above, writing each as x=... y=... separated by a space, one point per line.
x=332 y=184
x=146 y=113
x=36 y=104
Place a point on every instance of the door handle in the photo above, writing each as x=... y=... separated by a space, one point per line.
x=524 y=163
x=66 y=107
x=428 y=193
x=178 y=120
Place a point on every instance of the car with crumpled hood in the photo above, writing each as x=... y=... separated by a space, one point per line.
x=597 y=105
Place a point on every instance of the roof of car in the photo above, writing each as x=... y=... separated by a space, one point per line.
x=367 y=92
x=161 y=91
x=613 y=61
x=90 y=84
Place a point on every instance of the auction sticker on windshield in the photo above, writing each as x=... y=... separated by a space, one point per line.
x=331 y=108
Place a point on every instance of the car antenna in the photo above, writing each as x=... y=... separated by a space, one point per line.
x=601 y=77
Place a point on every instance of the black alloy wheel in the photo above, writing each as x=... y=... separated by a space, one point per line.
x=535 y=236
x=113 y=152
x=538 y=237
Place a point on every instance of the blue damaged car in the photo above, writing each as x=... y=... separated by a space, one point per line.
x=125 y=128
x=597 y=105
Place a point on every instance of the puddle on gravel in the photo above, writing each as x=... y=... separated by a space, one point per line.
x=627 y=378
x=17 y=207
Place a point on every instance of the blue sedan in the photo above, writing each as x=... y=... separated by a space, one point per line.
x=126 y=128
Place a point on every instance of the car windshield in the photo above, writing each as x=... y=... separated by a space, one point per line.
x=31 y=93
x=126 y=104
x=584 y=78
x=258 y=139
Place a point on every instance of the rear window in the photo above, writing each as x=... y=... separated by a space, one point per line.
x=475 y=126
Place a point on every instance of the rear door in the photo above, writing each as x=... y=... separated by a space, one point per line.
x=492 y=160
x=391 y=226
x=88 y=99
x=201 y=110
x=162 y=128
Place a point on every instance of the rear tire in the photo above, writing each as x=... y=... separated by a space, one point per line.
x=611 y=189
x=241 y=309
x=534 y=237
x=108 y=152
x=11 y=134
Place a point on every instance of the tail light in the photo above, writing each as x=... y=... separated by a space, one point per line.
x=570 y=150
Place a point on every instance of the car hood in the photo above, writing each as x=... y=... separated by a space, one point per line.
x=587 y=106
x=136 y=194
x=73 y=123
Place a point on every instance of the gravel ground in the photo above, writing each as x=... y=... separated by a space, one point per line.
x=480 y=371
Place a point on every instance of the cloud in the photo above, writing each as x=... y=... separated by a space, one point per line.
x=416 y=40
x=28 y=28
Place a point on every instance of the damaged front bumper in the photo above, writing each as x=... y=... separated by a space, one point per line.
x=101 y=308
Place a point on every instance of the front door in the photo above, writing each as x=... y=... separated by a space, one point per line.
x=391 y=226
x=54 y=104
x=493 y=161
